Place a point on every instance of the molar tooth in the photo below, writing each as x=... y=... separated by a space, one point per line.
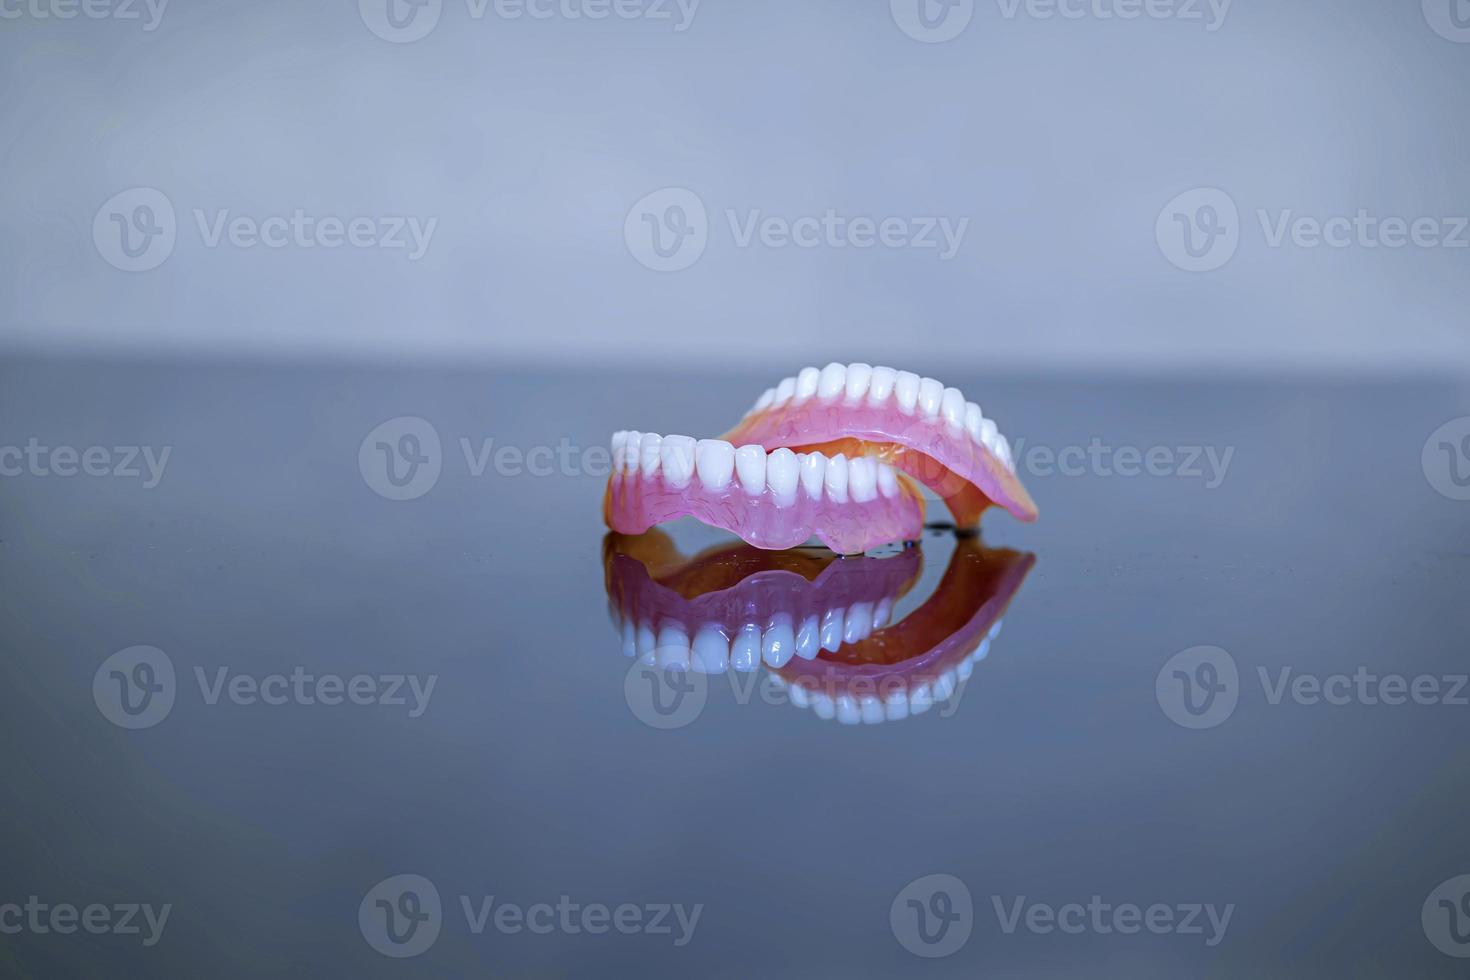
x=832 y=381
x=952 y=407
x=808 y=639
x=887 y=480
x=630 y=451
x=778 y=642
x=989 y=434
x=835 y=479
x=715 y=459
x=858 y=377
x=784 y=391
x=764 y=402
x=781 y=475
x=806 y=383
x=1003 y=450
x=710 y=652
x=619 y=440
x=964 y=669
x=750 y=464
x=813 y=468
x=677 y=455
x=931 y=393
x=973 y=420
x=745 y=652
x=882 y=384
x=648 y=451
x=883 y=613
x=830 y=631
x=906 y=391
x=862 y=479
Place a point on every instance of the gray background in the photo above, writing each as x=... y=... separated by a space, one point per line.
x=531 y=139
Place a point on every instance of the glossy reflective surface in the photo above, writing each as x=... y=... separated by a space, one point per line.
x=360 y=673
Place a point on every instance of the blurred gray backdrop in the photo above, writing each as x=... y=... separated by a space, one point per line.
x=1038 y=184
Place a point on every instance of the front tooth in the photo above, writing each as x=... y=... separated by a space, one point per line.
x=806 y=383
x=630 y=638
x=859 y=622
x=630 y=451
x=883 y=613
x=921 y=698
x=831 y=630
x=882 y=384
x=800 y=694
x=945 y=686
x=619 y=440
x=778 y=643
x=862 y=479
x=832 y=381
x=711 y=651
x=847 y=710
x=858 y=377
x=784 y=391
x=871 y=709
x=648 y=451
x=673 y=647
x=677 y=455
x=715 y=459
x=964 y=669
x=781 y=475
x=647 y=644
x=906 y=390
x=974 y=420
x=896 y=705
x=813 y=469
x=808 y=639
x=835 y=479
x=931 y=393
x=952 y=407
x=823 y=706
x=745 y=652
x=887 y=480
x=750 y=463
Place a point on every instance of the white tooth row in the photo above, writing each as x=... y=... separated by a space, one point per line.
x=857 y=382
x=897 y=704
x=717 y=463
x=710 y=651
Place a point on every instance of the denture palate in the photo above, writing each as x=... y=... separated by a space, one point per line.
x=898 y=418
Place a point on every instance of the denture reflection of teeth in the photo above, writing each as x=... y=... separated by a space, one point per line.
x=829 y=453
x=823 y=627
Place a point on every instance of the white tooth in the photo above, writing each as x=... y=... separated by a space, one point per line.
x=896 y=705
x=745 y=652
x=887 y=480
x=945 y=686
x=983 y=651
x=835 y=479
x=619 y=440
x=931 y=393
x=847 y=710
x=630 y=638
x=882 y=384
x=921 y=698
x=750 y=463
x=989 y=434
x=906 y=391
x=801 y=694
x=777 y=681
x=715 y=459
x=862 y=479
x=630 y=451
x=648 y=451
x=964 y=669
x=883 y=613
x=859 y=622
x=673 y=647
x=677 y=455
x=781 y=476
x=831 y=630
x=823 y=706
x=813 y=467
x=647 y=644
x=871 y=709
x=784 y=391
x=779 y=642
x=858 y=376
x=808 y=639
x=1003 y=450
x=806 y=383
x=973 y=420
x=952 y=408
x=832 y=381
x=995 y=630
x=711 y=651
x=764 y=402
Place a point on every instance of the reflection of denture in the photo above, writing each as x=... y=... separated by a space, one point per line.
x=828 y=453
x=822 y=624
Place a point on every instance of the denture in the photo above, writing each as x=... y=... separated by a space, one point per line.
x=831 y=454
x=823 y=627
